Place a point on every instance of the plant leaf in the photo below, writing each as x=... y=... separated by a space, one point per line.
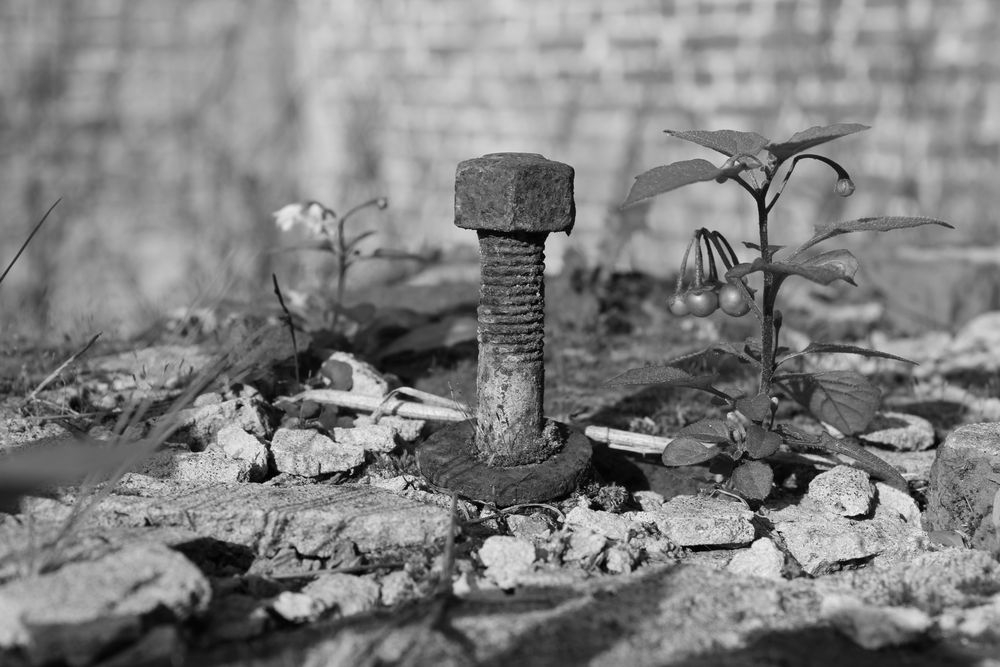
x=814 y=136
x=707 y=430
x=683 y=451
x=842 y=261
x=874 y=224
x=838 y=348
x=756 y=246
x=727 y=142
x=666 y=375
x=823 y=273
x=753 y=480
x=669 y=177
x=844 y=399
x=757 y=408
x=760 y=442
x=874 y=465
x=719 y=347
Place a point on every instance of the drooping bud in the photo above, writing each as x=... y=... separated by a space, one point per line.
x=844 y=187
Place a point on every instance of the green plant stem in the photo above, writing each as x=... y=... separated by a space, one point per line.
x=767 y=299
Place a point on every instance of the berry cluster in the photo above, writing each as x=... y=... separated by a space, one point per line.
x=705 y=295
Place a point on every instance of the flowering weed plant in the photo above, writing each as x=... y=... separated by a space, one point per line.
x=843 y=400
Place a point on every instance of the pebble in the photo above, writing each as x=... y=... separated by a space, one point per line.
x=762 y=559
x=308 y=453
x=506 y=558
x=296 y=607
x=842 y=490
x=691 y=521
x=913 y=435
x=614 y=526
x=349 y=594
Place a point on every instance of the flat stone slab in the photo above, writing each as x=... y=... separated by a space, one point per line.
x=696 y=521
x=315 y=519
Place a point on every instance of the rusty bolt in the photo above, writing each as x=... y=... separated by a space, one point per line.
x=513 y=201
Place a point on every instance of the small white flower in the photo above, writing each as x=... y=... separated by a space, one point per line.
x=308 y=217
x=287 y=216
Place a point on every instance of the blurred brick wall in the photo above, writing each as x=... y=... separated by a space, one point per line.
x=166 y=127
x=173 y=128
x=402 y=90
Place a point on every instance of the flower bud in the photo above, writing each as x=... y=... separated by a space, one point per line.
x=844 y=187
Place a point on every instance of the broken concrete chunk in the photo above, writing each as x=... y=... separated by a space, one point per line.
x=762 y=559
x=78 y=611
x=296 y=607
x=900 y=431
x=691 y=521
x=843 y=490
x=506 y=558
x=199 y=426
x=239 y=445
x=406 y=430
x=584 y=547
x=348 y=593
x=310 y=454
x=529 y=526
x=398 y=587
x=369 y=437
x=965 y=483
x=180 y=464
x=614 y=526
x=875 y=627
x=317 y=520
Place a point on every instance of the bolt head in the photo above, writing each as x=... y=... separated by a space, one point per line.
x=514 y=192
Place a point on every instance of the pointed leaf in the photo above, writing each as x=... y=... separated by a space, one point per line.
x=814 y=136
x=753 y=480
x=757 y=408
x=670 y=177
x=844 y=399
x=760 y=442
x=727 y=142
x=666 y=375
x=875 y=466
x=719 y=347
x=841 y=261
x=707 y=430
x=824 y=273
x=874 y=224
x=838 y=348
x=683 y=451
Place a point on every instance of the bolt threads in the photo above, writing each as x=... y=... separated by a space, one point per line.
x=512 y=294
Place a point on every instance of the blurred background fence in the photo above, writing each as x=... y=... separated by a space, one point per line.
x=173 y=129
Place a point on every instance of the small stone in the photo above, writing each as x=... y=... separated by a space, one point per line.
x=397 y=587
x=348 y=593
x=180 y=464
x=900 y=431
x=310 y=454
x=824 y=542
x=242 y=446
x=584 y=547
x=296 y=607
x=895 y=503
x=369 y=437
x=843 y=490
x=339 y=374
x=199 y=426
x=762 y=559
x=364 y=378
x=618 y=559
x=875 y=627
x=964 y=483
x=406 y=430
x=691 y=521
x=506 y=558
x=210 y=398
x=529 y=526
x=649 y=500
x=614 y=526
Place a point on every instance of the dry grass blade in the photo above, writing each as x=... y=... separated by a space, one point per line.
x=28 y=240
x=54 y=374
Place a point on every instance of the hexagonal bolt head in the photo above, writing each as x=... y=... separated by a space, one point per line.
x=514 y=192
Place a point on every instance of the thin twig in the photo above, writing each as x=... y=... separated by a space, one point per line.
x=291 y=328
x=347 y=569
x=28 y=240
x=54 y=374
